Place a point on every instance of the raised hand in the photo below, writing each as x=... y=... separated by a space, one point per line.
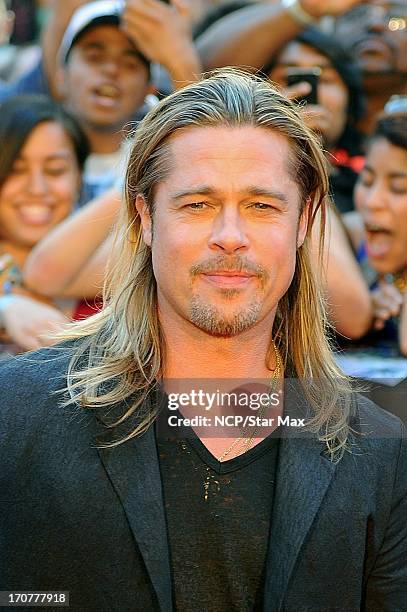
x=314 y=115
x=162 y=32
x=387 y=301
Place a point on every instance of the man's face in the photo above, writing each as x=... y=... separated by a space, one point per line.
x=225 y=229
x=105 y=80
x=376 y=35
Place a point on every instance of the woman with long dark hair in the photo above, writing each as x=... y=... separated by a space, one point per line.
x=42 y=152
x=379 y=232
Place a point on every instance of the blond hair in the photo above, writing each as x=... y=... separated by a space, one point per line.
x=120 y=356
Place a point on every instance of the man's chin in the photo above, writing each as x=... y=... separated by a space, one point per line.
x=217 y=323
x=224 y=330
x=107 y=125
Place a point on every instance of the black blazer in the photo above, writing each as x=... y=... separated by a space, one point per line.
x=91 y=521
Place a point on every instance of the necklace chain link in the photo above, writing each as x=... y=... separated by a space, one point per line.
x=246 y=442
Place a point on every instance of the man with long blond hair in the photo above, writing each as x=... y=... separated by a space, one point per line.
x=194 y=445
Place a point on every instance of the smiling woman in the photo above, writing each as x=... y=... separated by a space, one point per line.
x=41 y=157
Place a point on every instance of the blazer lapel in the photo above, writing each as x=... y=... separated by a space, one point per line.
x=133 y=469
x=303 y=477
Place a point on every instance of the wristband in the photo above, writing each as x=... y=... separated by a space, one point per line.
x=298 y=14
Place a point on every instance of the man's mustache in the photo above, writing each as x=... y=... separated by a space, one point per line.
x=230 y=264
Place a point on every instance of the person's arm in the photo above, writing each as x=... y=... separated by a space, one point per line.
x=162 y=32
x=70 y=260
x=59 y=16
x=251 y=36
x=348 y=296
x=29 y=323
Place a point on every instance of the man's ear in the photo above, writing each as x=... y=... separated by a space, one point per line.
x=303 y=223
x=145 y=218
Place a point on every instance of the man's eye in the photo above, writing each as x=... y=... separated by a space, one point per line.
x=133 y=62
x=93 y=55
x=196 y=205
x=261 y=206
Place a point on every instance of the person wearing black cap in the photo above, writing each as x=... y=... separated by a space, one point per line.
x=373 y=32
x=339 y=96
x=340 y=104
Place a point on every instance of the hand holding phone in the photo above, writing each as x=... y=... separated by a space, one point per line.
x=305 y=75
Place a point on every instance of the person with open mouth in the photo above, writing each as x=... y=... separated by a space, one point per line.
x=379 y=231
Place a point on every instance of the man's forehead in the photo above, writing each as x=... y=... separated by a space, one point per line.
x=230 y=158
x=256 y=146
x=105 y=34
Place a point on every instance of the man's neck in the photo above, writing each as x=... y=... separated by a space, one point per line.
x=192 y=353
x=103 y=142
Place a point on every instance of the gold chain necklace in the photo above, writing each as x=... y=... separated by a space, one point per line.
x=246 y=442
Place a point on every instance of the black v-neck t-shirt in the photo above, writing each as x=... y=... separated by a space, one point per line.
x=218 y=519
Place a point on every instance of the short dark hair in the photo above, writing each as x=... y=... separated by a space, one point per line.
x=392 y=127
x=20 y=115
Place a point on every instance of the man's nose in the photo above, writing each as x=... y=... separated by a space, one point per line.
x=110 y=66
x=228 y=233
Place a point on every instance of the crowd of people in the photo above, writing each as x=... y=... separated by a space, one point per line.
x=66 y=132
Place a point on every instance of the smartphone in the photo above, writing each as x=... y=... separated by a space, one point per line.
x=308 y=75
